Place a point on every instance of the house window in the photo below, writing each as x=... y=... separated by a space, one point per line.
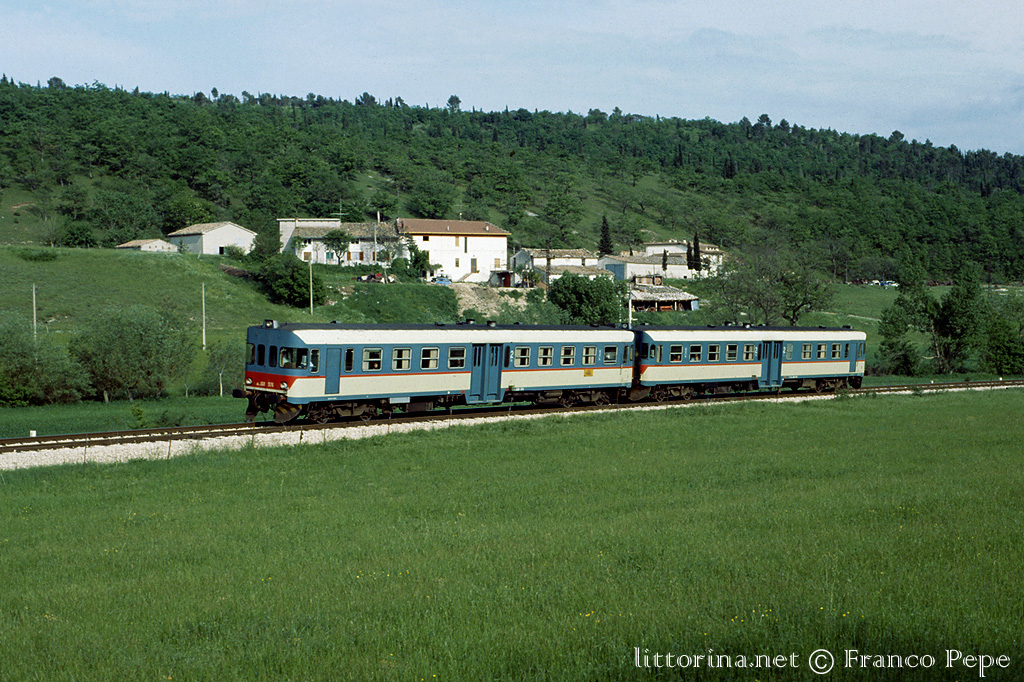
x=456 y=262
x=522 y=357
x=568 y=355
x=426 y=237
x=428 y=358
x=472 y=265
x=589 y=355
x=457 y=357
x=497 y=263
x=714 y=350
x=456 y=240
x=545 y=356
x=362 y=256
x=306 y=255
x=401 y=359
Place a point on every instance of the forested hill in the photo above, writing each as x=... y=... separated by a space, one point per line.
x=92 y=165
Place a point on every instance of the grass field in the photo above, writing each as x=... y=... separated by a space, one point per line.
x=548 y=550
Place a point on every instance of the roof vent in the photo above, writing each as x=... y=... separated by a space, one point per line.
x=492 y=323
x=270 y=324
x=470 y=320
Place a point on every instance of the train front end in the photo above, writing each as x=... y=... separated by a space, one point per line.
x=276 y=364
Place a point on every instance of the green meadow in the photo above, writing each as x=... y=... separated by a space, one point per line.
x=554 y=549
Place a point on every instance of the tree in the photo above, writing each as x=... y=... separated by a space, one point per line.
x=35 y=371
x=584 y=301
x=770 y=284
x=606 y=246
x=338 y=241
x=137 y=352
x=287 y=281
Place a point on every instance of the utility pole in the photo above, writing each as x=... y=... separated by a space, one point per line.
x=311 y=285
x=35 y=337
x=204 y=315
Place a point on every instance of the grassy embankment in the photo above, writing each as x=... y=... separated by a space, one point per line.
x=544 y=550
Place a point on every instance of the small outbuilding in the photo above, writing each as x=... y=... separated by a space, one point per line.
x=152 y=245
x=212 y=238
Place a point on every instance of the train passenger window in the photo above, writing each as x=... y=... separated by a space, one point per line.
x=750 y=352
x=675 y=353
x=695 y=353
x=860 y=351
x=654 y=353
x=349 y=359
x=628 y=354
x=714 y=350
x=568 y=355
x=789 y=351
x=522 y=357
x=821 y=351
x=836 y=353
x=261 y=354
x=732 y=351
x=457 y=357
x=250 y=354
x=644 y=349
x=589 y=355
x=273 y=356
x=314 y=361
x=545 y=356
x=428 y=358
x=805 y=352
x=846 y=351
x=611 y=355
x=372 y=359
x=401 y=359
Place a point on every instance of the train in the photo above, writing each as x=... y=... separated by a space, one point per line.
x=334 y=371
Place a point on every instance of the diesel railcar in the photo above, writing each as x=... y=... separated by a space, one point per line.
x=686 y=361
x=327 y=371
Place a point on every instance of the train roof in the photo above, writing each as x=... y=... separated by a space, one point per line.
x=329 y=326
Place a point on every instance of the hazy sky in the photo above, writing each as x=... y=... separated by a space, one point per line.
x=944 y=70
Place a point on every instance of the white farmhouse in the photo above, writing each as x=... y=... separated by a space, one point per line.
x=372 y=243
x=464 y=250
x=212 y=238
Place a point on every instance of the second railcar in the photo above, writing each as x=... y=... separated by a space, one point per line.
x=681 y=362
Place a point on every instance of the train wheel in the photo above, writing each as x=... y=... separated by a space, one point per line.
x=369 y=413
x=602 y=399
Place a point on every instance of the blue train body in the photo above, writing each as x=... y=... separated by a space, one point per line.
x=327 y=371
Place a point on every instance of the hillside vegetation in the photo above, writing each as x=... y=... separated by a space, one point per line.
x=91 y=165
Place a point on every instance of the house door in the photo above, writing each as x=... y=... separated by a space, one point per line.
x=333 y=370
x=485 y=380
x=771 y=364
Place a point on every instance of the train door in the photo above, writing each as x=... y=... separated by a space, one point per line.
x=851 y=353
x=485 y=379
x=771 y=364
x=333 y=370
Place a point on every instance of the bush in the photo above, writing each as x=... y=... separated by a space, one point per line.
x=36 y=371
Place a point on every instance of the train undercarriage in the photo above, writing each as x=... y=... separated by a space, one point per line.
x=322 y=412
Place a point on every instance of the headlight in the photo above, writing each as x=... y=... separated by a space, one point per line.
x=248 y=381
x=284 y=385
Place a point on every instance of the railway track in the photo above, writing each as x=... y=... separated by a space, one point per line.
x=172 y=441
